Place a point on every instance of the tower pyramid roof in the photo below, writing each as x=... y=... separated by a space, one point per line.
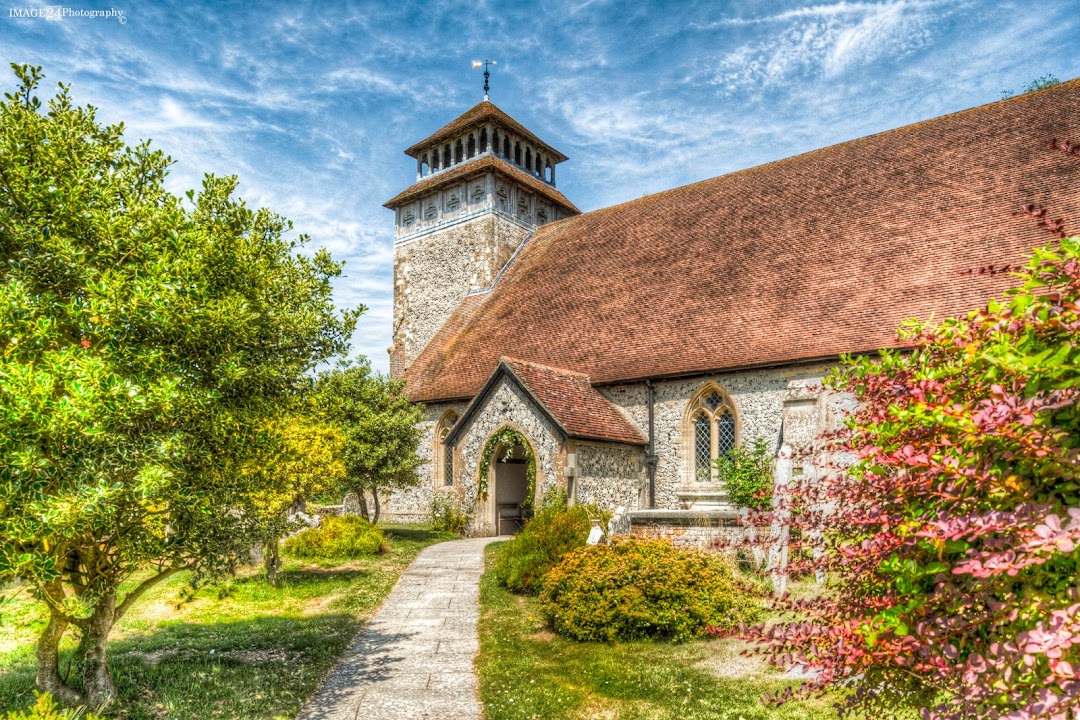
x=486 y=111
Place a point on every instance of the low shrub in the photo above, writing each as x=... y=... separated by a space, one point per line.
x=46 y=709
x=554 y=497
x=635 y=589
x=747 y=474
x=541 y=544
x=446 y=514
x=337 y=537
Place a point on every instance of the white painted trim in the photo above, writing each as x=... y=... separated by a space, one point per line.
x=404 y=239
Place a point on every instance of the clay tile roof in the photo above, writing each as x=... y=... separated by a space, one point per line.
x=484 y=112
x=478 y=166
x=571 y=400
x=804 y=258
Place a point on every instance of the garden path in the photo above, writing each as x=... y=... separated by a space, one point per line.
x=415 y=658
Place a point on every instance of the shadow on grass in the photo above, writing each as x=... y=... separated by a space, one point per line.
x=258 y=668
x=311 y=575
x=415 y=534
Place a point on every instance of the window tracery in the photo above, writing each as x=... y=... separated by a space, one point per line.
x=713 y=430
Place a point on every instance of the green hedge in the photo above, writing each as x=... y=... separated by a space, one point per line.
x=338 y=538
x=634 y=589
x=553 y=532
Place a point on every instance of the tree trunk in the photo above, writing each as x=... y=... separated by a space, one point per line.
x=363 y=503
x=272 y=561
x=375 y=495
x=100 y=690
x=48 y=662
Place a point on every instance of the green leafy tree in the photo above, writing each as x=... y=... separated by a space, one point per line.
x=306 y=461
x=379 y=425
x=144 y=344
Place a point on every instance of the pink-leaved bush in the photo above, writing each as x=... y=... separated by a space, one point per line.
x=946 y=518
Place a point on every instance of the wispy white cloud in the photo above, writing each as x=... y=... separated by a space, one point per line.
x=173 y=115
x=826 y=40
x=312 y=108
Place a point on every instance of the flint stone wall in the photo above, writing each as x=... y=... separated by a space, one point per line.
x=412 y=504
x=692 y=536
x=759 y=397
x=433 y=272
x=610 y=475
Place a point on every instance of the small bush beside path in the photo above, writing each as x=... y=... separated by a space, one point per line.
x=526 y=671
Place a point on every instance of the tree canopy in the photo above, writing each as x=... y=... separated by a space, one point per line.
x=304 y=461
x=145 y=342
x=379 y=426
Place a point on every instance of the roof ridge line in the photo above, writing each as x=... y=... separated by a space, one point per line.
x=564 y=371
x=770 y=163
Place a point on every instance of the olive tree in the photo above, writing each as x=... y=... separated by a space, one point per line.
x=145 y=342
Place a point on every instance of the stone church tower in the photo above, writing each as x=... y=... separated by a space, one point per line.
x=484 y=183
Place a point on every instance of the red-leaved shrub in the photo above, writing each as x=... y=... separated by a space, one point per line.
x=947 y=515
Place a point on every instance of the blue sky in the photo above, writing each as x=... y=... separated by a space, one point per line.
x=312 y=103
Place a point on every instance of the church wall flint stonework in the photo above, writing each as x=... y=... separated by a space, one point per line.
x=511 y=308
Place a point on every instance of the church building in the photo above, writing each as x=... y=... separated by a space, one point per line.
x=626 y=348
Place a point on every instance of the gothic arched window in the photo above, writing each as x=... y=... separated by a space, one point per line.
x=459 y=152
x=506 y=147
x=712 y=429
x=472 y=146
x=517 y=153
x=446 y=157
x=443 y=455
x=528 y=159
x=483 y=139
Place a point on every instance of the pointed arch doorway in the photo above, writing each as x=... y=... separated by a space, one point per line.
x=510 y=505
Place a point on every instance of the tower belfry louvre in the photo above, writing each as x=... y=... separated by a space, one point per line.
x=484 y=183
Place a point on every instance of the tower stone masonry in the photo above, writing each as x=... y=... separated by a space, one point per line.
x=484 y=183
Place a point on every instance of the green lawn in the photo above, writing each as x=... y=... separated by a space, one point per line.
x=528 y=672
x=242 y=651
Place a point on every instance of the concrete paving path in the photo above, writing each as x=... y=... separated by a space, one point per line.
x=415 y=658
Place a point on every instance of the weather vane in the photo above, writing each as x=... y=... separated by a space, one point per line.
x=487 y=72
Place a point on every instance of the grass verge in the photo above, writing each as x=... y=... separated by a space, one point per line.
x=243 y=650
x=527 y=672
